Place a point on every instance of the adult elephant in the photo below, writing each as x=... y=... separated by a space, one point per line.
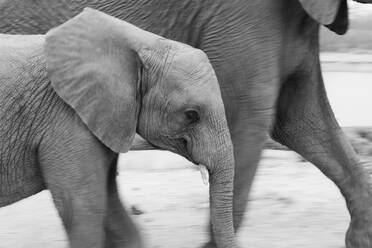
x=266 y=56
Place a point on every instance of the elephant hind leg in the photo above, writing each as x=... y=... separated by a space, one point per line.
x=119 y=227
x=306 y=124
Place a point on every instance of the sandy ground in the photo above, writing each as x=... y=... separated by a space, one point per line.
x=292 y=205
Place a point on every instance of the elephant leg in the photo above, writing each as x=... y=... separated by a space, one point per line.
x=75 y=168
x=248 y=145
x=119 y=227
x=306 y=124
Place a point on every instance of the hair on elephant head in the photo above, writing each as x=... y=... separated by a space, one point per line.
x=121 y=79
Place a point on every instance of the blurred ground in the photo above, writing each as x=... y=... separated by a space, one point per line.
x=292 y=205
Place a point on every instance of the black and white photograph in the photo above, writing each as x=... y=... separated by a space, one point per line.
x=185 y=123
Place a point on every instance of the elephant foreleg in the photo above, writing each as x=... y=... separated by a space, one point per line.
x=75 y=169
x=119 y=227
x=306 y=124
x=248 y=145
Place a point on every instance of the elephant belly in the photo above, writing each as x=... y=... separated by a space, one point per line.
x=20 y=174
x=18 y=185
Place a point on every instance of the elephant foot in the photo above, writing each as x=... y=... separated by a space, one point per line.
x=124 y=245
x=359 y=234
x=210 y=244
x=135 y=246
x=124 y=241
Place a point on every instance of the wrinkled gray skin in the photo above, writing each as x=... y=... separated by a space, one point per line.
x=266 y=57
x=72 y=100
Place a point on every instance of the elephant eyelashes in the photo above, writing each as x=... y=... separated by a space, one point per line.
x=192 y=116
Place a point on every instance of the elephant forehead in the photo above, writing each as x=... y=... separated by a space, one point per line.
x=197 y=91
x=188 y=68
x=190 y=58
x=183 y=81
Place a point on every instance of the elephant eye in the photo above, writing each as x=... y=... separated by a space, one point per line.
x=192 y=116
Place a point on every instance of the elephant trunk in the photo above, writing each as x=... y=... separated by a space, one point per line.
x=221 y=170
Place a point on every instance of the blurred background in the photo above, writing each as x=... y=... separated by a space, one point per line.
x=292 y=203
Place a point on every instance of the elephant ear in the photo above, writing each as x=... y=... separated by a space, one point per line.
x=331 y=13
x=93 y=64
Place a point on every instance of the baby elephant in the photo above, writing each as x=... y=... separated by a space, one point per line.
x=71 y=100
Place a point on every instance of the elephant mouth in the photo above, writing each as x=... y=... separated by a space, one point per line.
x=182 y=148
x=185 y=151
x=202 y=168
